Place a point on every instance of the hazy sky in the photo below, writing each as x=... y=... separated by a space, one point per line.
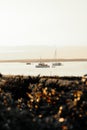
x=37 y=22
x=29 y=52
x=35 y=28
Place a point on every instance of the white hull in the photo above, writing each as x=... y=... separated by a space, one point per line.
x=42 y=65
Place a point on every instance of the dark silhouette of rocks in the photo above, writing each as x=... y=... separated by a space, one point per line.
x=43 y=103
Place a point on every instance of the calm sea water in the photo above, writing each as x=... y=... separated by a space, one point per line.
x=67 y=69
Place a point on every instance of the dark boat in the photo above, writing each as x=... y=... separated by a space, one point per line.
x=42 y=65
x=57 y=64
x=28 y=63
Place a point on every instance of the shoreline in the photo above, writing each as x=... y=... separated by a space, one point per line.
x=44 y=60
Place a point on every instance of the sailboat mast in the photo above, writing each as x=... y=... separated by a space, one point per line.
x=55 y=55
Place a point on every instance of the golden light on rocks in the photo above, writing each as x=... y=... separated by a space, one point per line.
x=31 y=100
x=60 y=110
x=80 y=115
x=53 y=91
x=77 y=93
x=20 y=100
x=61 y=120
x=28 y=105
x=18 y=106
x=36 y=106
x=64 y=127
x=84 y=79
x=49 y=94
x=38 y=99
x=75 y=102
x=86 y=83
x=9 y=108
x=40 y=116
x=45 y=91
x=48 y=100
x=29 y=95
x=57 y=98
x=77 y=96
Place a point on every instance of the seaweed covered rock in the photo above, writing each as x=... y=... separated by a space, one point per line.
x=43 y=103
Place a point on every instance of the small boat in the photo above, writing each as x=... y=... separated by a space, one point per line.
x=57 y=64
x=42 y=65
x=28 y=63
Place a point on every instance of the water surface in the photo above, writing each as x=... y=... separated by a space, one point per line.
x=67 y=69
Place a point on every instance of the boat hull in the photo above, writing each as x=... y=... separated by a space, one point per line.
x=37 y=66
x=42 y=65
x=57 y=64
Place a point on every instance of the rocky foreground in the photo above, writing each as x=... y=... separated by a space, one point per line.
x=43 y=103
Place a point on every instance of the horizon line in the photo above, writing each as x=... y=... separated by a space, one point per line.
x=45 y=60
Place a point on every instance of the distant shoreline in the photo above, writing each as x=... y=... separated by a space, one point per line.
x=44 y=60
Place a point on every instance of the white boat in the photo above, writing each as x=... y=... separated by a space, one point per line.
x=42 y=65
x=56 y=63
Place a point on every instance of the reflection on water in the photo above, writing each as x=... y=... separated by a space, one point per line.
x=67 y=69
